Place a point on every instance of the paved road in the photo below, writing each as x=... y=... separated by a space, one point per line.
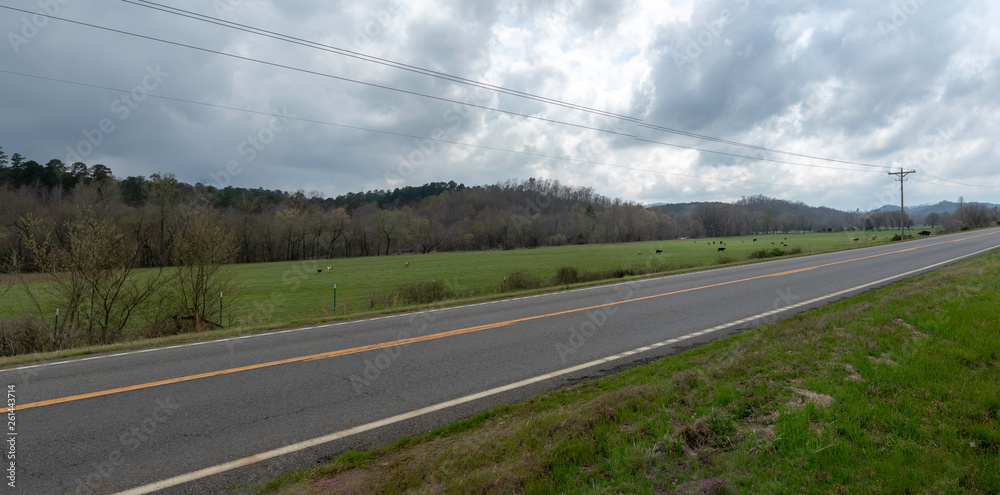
x=195 y=414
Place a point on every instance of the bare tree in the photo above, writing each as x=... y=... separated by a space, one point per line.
x=712 y=218
x=201 y=252
x=932 y=219
x=94 y=278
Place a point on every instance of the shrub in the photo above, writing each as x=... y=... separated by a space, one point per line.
x=772 y=253
x=895 y=238
x=795 y=250
x=521 y=280
x=24 y=336
x=566 y=275
x=724 y=260
x=423 y=292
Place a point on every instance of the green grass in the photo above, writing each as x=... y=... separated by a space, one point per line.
x=895 y=391
x=288 y=292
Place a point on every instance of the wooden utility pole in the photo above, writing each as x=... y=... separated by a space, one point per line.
x=902 y=213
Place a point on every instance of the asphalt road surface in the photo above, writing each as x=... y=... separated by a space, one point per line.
x=222 y=415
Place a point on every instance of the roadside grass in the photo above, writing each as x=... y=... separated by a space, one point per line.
x=894 y=391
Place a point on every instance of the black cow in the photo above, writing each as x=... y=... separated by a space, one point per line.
x=722 y=249
x=659 y=251
x=924 y=232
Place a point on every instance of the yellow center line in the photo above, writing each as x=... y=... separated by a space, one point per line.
x=440 y=335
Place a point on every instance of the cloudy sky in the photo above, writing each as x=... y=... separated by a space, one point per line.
x=875 y=84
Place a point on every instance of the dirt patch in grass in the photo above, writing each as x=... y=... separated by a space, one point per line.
x=807 y=396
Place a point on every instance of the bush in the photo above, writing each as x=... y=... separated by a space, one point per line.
x=795 y=250
x=895 y=238
x=24 y=336
x=772 y=253
x=423 y=292
x=724 y=260
x=521 y=280
x=566 y=275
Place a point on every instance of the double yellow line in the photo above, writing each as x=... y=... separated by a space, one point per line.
x=441 y=335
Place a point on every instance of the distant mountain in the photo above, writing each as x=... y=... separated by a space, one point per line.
x=921 y=210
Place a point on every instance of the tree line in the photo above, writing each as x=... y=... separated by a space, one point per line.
x=273 y=225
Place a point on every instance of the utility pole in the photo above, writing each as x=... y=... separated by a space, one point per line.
x=902 y=213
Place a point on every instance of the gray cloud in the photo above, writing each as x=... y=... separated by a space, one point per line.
x=907 y=83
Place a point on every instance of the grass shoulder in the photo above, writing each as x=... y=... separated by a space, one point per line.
x=895 y=391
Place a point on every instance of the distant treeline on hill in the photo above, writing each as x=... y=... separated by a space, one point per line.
x=41 y=202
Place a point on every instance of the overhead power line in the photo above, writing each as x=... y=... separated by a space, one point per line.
x=756 y=147
x=749 y=157
x=458 y=143
x=370 y=58
x=942 y=179
x=471 y=82
x=412 y=68
x=317 y=73
x=389 y=88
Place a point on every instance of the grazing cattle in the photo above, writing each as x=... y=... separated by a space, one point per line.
x=855 y=239
x=640 y=252
x=786 y=238
x=319 y=271
x=406 y=264
x=755 y=240
x=329 y=268
x=659 y=251
x=874 y=237
x=722 y=249
x=924 y=232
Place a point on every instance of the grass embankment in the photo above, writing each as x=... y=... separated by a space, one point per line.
x=895 y=391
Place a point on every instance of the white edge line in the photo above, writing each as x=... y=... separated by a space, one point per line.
x=295 y=447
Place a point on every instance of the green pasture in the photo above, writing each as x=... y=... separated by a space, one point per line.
x=287 y=293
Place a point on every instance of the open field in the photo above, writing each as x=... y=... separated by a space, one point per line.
x=298 y=292
x=284 y=294
x=894 y=391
